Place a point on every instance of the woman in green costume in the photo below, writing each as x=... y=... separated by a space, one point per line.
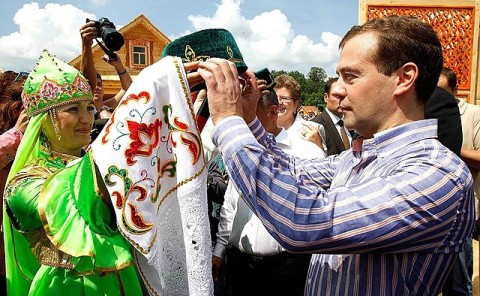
x=60 y=230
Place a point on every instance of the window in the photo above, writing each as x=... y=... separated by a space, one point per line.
x=139 y=55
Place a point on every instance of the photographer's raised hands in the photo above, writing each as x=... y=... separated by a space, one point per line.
x=88 y=31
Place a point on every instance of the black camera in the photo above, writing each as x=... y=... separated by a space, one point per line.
x=106 y=30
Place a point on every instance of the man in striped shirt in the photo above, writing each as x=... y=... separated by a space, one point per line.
x=389 y=215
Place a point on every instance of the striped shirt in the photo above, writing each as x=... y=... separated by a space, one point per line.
x=386 y=219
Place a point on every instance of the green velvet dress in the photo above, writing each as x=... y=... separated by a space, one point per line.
x=70 y=229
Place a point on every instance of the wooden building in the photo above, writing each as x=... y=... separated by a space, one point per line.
x=143 y=46
x=457 y=25
x=308 y=112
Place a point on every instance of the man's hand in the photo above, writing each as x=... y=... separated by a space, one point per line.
x=224 y=92
x=88 y=31
x=250 y=96
x=262 y=87
x=312 y=134
x=193 y=77
x=217 y=264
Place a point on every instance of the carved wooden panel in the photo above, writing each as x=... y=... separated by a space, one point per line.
x=454 y=27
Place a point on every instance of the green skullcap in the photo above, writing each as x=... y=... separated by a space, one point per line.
x=205 y=44
x=267 y=76
x=53 y=83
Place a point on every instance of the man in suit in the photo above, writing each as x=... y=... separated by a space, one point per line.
x=443 y=106
x=331 y=119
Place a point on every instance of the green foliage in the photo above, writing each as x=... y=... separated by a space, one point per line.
x=317 y=75
x=312 y=85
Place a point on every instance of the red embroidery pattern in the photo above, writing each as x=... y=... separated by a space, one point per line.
x=144 y=139
x=131 y=97
x=190 y=139
x=137 y=219
x=192 y=147
x=147 y=132
x=139 y=225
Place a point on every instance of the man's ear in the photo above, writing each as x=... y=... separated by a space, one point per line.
x=273 y=111
x=407 y=76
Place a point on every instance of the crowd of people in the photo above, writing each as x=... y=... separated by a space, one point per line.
x=376 y=195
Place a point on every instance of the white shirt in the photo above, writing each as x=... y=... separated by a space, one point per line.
x=209 y=149
x=470 y=116
x=239 y=226
x=309 y=149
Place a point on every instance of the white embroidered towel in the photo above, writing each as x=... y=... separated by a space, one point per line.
x=150 y=157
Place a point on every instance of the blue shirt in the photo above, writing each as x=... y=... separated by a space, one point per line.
x=386 y=217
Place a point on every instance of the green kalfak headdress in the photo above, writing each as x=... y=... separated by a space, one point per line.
x=53 y=83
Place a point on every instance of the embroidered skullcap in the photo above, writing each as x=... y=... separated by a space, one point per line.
x=205 y=44
x=53 y=83
x=267 y=76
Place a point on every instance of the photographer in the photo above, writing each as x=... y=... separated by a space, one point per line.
x=89 y=31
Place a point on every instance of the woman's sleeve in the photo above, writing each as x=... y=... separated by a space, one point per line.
x=9 y=142
x=21 y=198
x=79 y=222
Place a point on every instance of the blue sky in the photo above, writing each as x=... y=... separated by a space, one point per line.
x=278 y=34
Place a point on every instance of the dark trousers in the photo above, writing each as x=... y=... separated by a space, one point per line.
x=282 y=274
x=459 y=280
x=3 y=285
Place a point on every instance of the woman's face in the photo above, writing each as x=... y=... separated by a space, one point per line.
x=287 y=107
x=74 y=122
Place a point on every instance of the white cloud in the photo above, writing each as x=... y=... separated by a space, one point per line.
x=268 y=40
x=54 y=27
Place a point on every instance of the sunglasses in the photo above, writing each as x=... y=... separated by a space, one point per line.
x=20 y=75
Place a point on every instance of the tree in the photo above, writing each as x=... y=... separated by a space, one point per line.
x=317 y=75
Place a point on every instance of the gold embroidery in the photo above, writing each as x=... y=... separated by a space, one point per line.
x=45 y=251
x=46 y=227
x=232 y=59
x=51 y=94
x=32 y=171
x=98 y=191
x=186 y=96
x=58 y=157
x=190 y=56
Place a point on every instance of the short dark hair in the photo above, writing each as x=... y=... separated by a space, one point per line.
x=328 y=84
x=451 y=77
x=403 y=39
x=269 y=100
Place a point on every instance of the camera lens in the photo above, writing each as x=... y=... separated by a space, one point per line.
x=112 y=38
